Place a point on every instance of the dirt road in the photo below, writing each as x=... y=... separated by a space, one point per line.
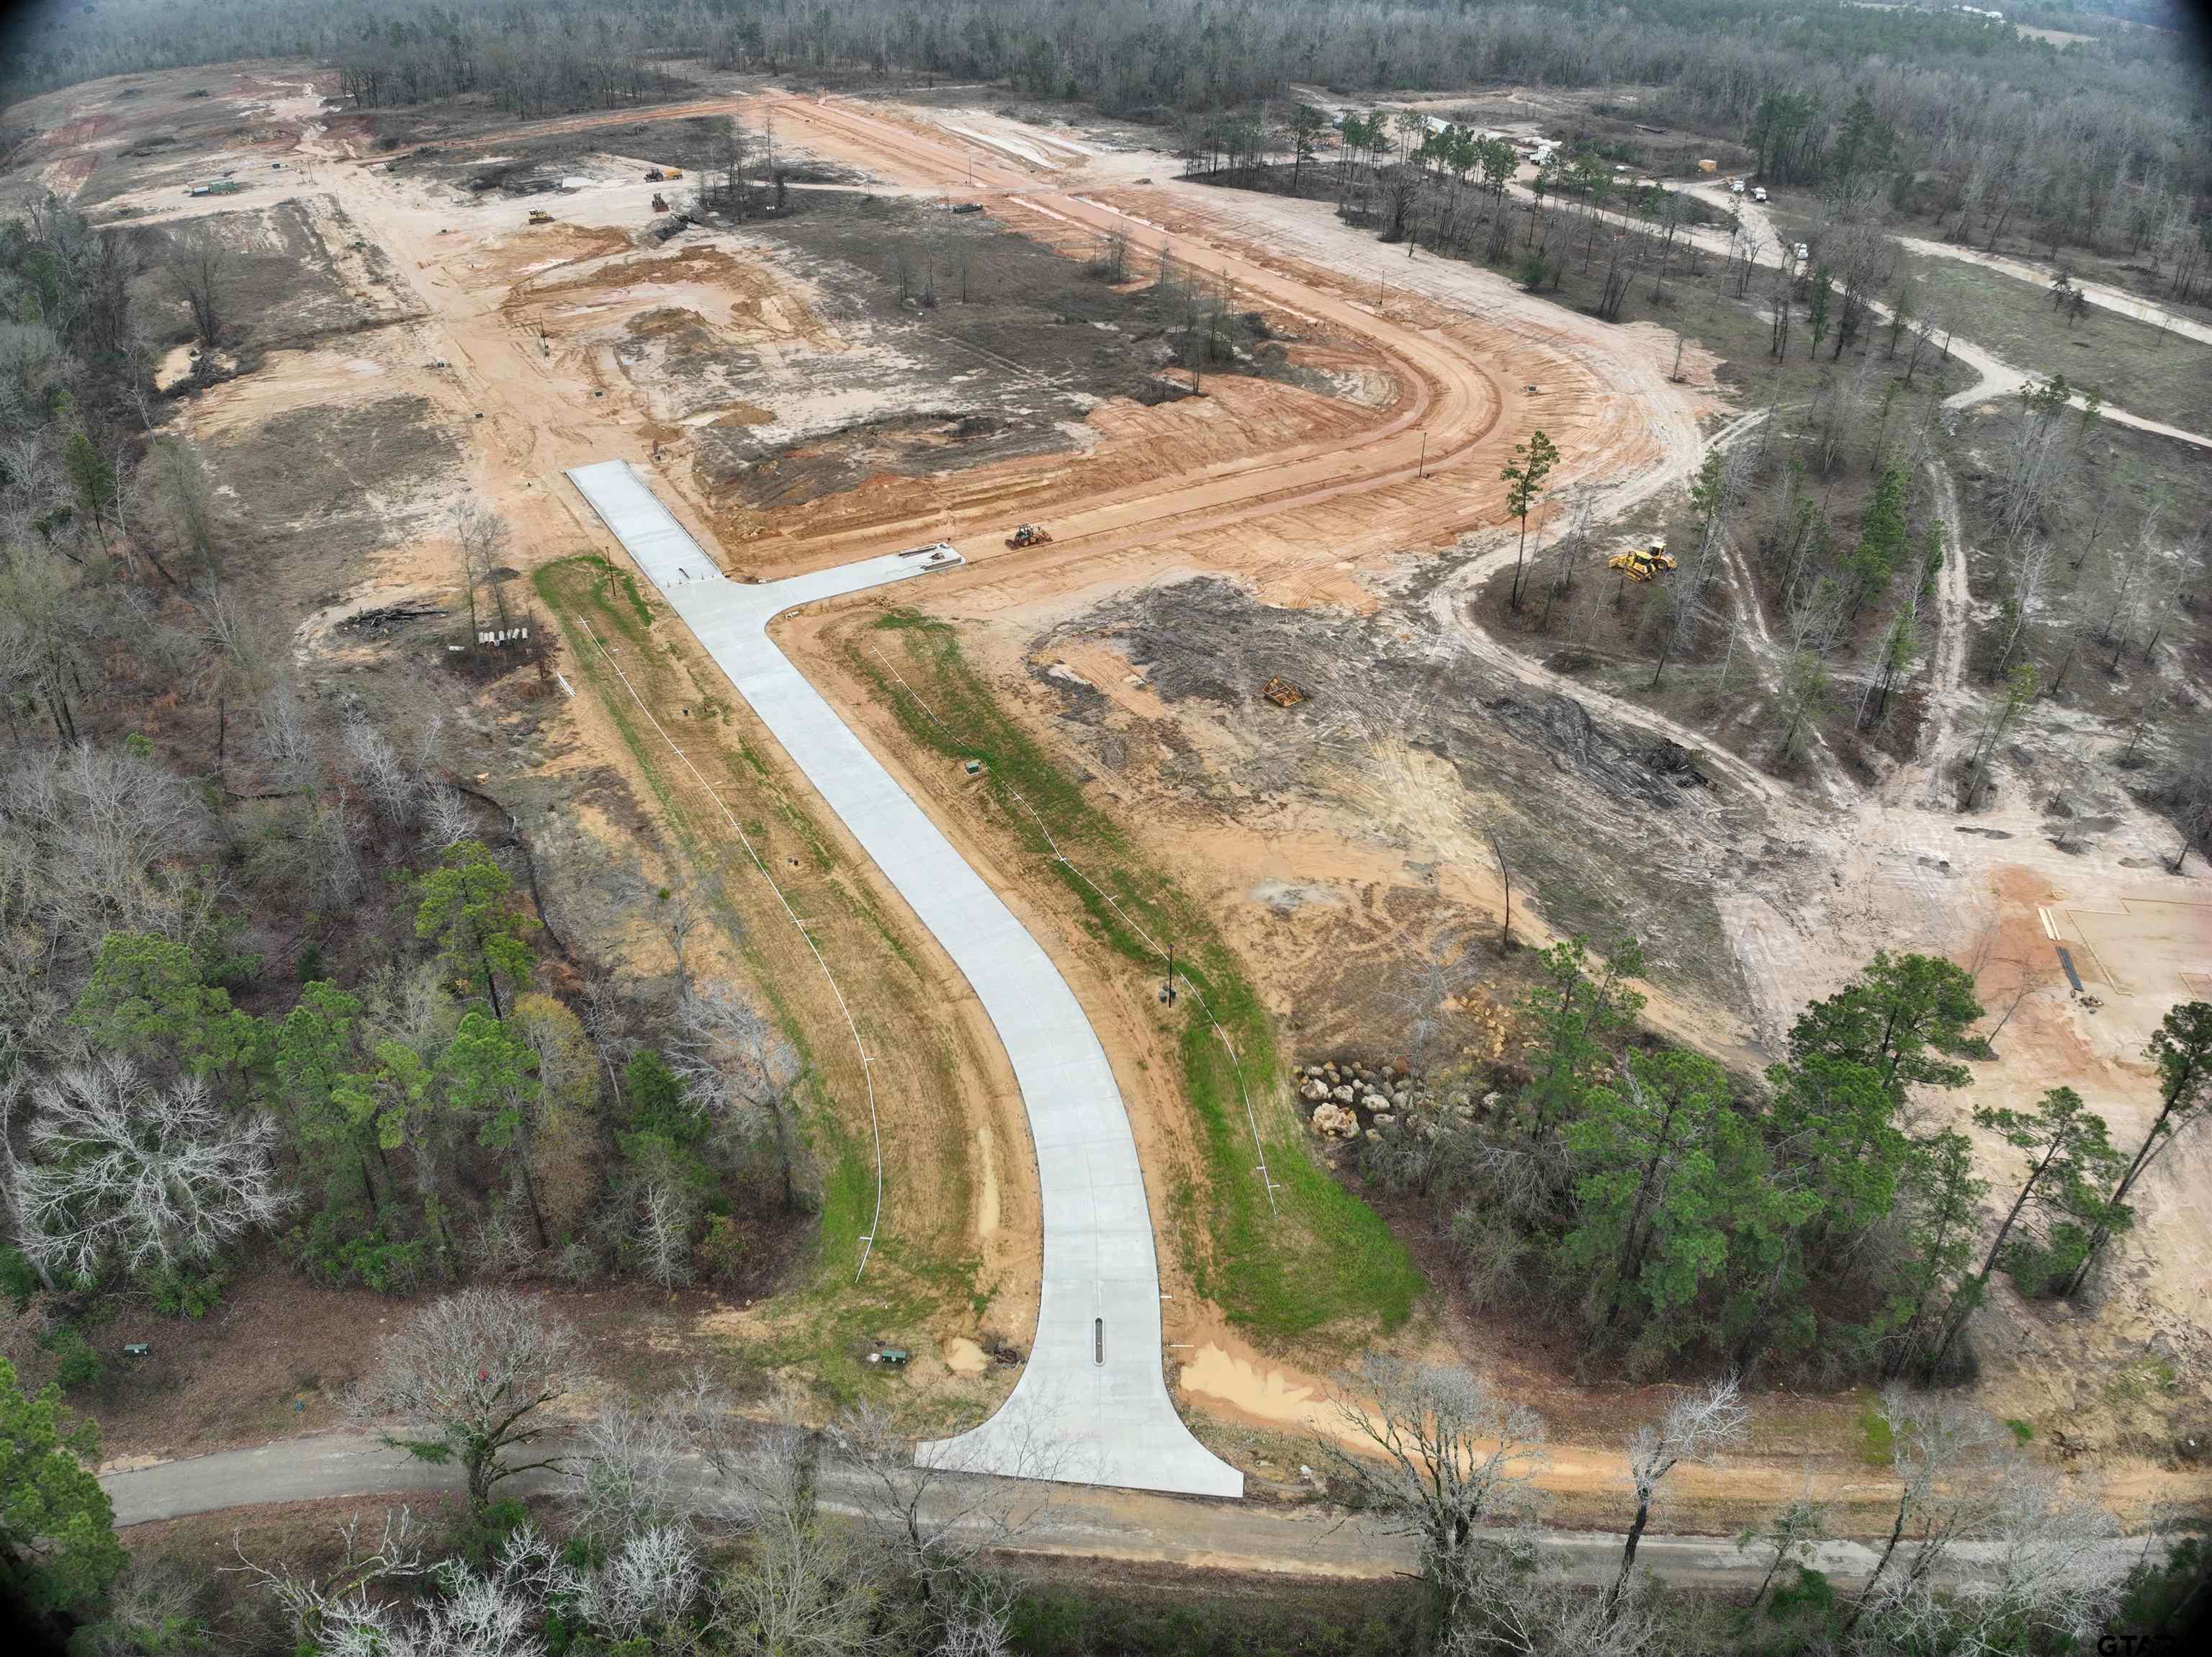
x=2042 y=275
x=1088 y=1524
x=1998 y=377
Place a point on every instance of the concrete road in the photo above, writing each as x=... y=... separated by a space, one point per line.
x=1091 y=1406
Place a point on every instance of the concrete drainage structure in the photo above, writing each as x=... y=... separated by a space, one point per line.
x=1091 y=1406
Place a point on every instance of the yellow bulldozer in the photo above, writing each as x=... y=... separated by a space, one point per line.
x=1643 y=562
x=539 y=216
x=1028 y=535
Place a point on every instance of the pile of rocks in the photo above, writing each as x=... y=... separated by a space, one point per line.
x=1342 y=1096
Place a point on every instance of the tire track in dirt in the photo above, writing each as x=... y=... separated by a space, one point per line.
x=1953 y=610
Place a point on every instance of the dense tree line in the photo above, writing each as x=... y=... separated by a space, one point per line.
x=2105 y=146
x=262 y=981
x=1804 y=1221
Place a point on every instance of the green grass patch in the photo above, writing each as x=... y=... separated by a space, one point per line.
x=2160 y=378
x=2021 y=1431
x=1318 y=1255
x=1874 y=1427
x=2138 y=1380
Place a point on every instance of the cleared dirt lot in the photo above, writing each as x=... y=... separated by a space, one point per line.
x=1334 y=531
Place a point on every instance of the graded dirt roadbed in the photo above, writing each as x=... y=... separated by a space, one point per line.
x=1091 y=1406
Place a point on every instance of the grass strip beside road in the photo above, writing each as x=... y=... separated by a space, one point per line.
x=823 y=1325
x=1318 y=1255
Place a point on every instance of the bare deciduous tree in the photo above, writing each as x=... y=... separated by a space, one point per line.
x=1513 y=1604
x=679 y=910
x=1438 y=976
x=1695 y=1428
x=448 y=819
x=939 y=1523
x=663 y=1234
x=197 y=269
x=499 y=1611
x=312 y=1603
x=123 y=1172
x=646 y=1592
x=480 y=535
x=636 y=1467
x=732 y=1060
x=1453 y=1453
x=286 y=738
x=473 y=1371
x=103 y=828
x=375 y=768
x=1949 y=1458
x=804 y=1585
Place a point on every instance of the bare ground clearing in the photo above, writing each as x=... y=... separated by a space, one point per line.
x=1318 y=517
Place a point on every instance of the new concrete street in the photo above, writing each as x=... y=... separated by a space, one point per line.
x=1091 y=1406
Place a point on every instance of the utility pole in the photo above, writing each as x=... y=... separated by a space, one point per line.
x=1424 y=455
x=1168 y=990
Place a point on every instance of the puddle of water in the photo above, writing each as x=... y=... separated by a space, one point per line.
x=1216 y=1373
x=963 y=1357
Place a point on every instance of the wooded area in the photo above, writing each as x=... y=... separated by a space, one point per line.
x=2105 y=146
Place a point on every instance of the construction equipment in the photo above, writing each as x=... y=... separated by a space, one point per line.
x=674 y=173
x=653 y=175
x=1284 y=694
x=1643 y=564
x=659 y=203
x=539 y=216
x=1028 y=535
